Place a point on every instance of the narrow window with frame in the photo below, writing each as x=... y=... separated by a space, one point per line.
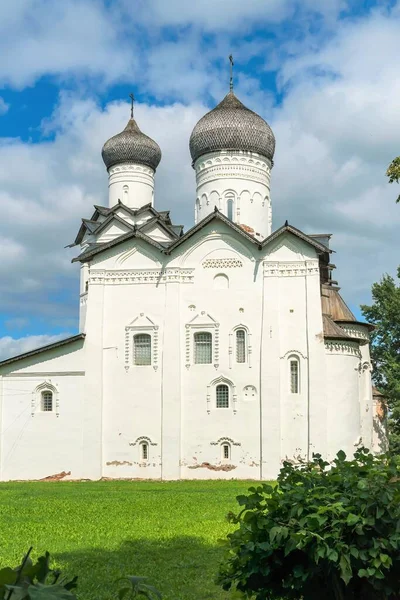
x=226 y=451
x=222 y=396
x=202 y=348
x=142 y=349
x=294 y=376
x=144 y=451
x=47 y=401
x=241 y=346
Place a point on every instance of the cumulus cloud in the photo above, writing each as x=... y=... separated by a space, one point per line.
x=336 y=128
x=62 y=180
x=10 y=346
x=52 y=38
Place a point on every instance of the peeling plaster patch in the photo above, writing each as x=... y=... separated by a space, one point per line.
x=206 y=465
x=118 y=463
x=56 y=477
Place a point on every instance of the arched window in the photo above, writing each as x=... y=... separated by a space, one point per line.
x=294 y=368
x=142 y=349
x=202 y=348
x=47 y=401
x=125 y=194
x=241 y=346
x=144 y=451
x=225 y=451
x=229 y=208
x=222 y=396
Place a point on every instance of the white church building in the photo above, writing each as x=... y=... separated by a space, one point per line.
x=215 y=353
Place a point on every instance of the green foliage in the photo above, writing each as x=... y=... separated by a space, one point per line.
x=38 y=582
x=166 y=531
x=35 y=581
x=385 y=349
x=393 y=172
x=136 y=586
x=323 y=532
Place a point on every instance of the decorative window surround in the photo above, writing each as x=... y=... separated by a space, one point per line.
x=227 y=440
x=142 y=324
x=295 y=353
x=36 y=402
x=141 y=439
x=134 y=276
x=222 y=263
x=299 y=268
x=232 y=347
x=201 y=322
x=343 y=347
x=211 y=390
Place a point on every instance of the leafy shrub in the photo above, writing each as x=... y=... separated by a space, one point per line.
x=325 y=531
x=38 y=581
x=35 y=581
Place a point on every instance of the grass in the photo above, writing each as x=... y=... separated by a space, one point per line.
x=100 y=531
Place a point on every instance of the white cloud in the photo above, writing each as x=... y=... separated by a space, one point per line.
x=61 y=181
x=10 y=346
x=71 y=37
x=225 y=15
x=3 y=106
x=336 y=131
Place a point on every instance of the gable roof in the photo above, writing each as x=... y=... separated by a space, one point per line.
x=286 y=228
x=90 y=224
x=94 y=249
x=70 y=340
x=168 y=247
x=112 y=217
x=199 y=226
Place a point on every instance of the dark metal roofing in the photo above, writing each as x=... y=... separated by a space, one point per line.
x=232 y=126
x=94 y=249
x=131 y=145
x=70 y=340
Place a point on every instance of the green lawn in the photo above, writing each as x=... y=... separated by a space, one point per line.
x=168 y=531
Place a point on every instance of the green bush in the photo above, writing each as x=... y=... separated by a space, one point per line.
x=328 y=532
x=37 y=581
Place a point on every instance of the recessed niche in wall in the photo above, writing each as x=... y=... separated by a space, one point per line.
x=221 y=282
x=249 y=392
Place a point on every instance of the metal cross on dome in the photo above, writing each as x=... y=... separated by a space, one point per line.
x=231 y=79
x=132 y=97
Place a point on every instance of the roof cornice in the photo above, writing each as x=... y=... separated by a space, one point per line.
x=91 y=252
x=294 y=231
x=70 y=340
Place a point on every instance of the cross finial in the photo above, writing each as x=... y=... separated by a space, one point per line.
x=132 y=97
x=231 y=79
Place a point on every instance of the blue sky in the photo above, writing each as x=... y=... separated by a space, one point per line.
x=323 y=74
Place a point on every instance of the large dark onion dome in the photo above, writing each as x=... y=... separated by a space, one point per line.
x=232 y=126
x=131 y=145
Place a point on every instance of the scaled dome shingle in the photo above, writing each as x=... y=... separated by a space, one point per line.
x=232 y=126
x=131 y=145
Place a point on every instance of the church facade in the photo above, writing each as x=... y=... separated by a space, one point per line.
x=215 y=353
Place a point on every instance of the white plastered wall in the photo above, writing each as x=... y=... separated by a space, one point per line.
x=132 y=184
x=237 y=179
x=343 y=390
x=36 y=444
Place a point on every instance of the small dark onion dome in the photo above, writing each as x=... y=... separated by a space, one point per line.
x=131 y=145
x=232 y=126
